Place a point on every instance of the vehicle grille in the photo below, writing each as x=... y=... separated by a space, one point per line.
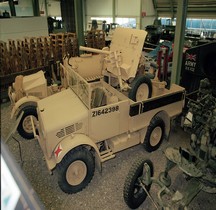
x=68 y=130
x=61 y=133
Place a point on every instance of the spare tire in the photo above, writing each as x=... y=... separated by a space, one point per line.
x=141 y=89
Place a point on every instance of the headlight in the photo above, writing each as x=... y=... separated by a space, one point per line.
x=13 y=85
x=13 y=96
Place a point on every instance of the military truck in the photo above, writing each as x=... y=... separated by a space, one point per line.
x=101 y=115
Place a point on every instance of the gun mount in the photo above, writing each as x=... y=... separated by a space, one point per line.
x=123 y=57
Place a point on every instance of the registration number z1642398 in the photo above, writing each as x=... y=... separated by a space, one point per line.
x=107 y=110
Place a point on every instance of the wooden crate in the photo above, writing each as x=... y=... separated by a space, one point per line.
x=95 y=39
x=32 y=53
x=4 y=58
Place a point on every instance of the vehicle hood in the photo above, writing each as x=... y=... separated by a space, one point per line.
x=60 y=110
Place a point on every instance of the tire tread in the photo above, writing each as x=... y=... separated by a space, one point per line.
x=133 y=174
x=72 y=155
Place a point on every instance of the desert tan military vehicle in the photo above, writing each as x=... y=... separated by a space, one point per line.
x=107 y=108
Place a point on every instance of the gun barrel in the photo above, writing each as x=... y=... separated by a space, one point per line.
x=89 y=49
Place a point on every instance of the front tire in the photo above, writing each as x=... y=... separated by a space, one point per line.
x=25 y=128
x=76 y=170
x=134 y=194
x=155 y=134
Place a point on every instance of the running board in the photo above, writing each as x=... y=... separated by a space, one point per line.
x=106 y=155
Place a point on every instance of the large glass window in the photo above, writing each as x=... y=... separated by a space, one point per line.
x=4 y=9
x=98 y=23
x=122 y=22
x=101 y=19
x=23 y=8
x=203 y=27
x=126 y=22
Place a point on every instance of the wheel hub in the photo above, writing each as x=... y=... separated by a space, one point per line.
x=155 y=136
x=142 y=92
x=76 y=172
x=27 y=126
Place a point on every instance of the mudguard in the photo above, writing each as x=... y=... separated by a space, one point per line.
x=25 y=101
x=72 y=141
x=165 y=117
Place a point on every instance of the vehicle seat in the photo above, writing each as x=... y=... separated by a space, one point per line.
x=98 y=98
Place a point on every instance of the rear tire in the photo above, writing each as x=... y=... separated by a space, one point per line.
x=76 y=170
x=155 y=134
x=134 y=194
x=24 y=128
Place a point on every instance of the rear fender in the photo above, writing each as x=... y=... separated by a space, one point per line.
x=73 y=141
x=165 y=117
x=23 y=102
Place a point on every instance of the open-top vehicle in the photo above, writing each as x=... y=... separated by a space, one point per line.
x=96 y=117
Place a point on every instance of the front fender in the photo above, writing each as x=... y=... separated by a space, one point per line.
x=23 y=102
x=73 y=141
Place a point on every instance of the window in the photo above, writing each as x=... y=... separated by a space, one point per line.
x=205 y=27
x=126 y=22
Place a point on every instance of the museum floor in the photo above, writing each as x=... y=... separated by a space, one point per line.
x=105 y=192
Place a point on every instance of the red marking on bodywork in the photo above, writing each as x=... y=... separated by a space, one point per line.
x=58 y=151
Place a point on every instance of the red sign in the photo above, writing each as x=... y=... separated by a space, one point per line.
x=143 y=14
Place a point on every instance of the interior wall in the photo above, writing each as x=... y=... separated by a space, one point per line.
x=127 y=8
x=54 y=8
x=123 y=8
x=147 y=13
x=18 y=28
x=98 y=8
x=130 y=9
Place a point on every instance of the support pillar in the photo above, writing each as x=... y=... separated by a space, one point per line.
x=68 y=15
x=78 y=6
x=35 y=5
x=12 y=8
x=179 y=41
x=46 y=9
x=113 y=10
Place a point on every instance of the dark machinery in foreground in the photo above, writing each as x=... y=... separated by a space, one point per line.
x=198 y=162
